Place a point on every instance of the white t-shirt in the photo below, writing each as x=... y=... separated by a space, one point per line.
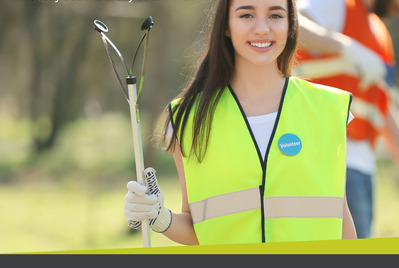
x=331 y=14
x=262 y=127
x=327 y=13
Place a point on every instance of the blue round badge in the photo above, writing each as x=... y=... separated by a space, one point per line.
x=290 y=144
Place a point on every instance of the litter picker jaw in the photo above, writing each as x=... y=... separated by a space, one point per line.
x=100 y=26
x=146 y=26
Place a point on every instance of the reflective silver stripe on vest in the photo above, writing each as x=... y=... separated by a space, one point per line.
x=275 y=207
x=304 y=207
x=225 y=204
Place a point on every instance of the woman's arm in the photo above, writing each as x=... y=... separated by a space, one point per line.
x=348 y=227
x=181 y=229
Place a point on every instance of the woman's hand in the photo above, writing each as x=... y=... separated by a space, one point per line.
x=146 y=203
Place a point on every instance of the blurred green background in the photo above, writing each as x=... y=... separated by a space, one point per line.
x=66 y=150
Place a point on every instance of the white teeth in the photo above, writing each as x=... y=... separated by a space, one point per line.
x=261 y=45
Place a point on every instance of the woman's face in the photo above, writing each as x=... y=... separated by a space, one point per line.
x=258 y=30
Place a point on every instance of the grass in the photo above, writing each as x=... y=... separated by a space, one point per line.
x=386 y=223
x=71 y=198
x=48 y=217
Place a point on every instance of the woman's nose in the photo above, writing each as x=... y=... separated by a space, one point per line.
x=262 y=27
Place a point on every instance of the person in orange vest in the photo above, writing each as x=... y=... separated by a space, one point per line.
x=345 y=44
x=261 y=155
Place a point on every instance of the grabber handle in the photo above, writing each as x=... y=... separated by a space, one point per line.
x=138 y=148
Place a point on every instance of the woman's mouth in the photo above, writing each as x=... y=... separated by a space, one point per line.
x=260 y=45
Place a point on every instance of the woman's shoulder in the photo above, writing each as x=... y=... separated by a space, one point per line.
x=193 y=101
x=174 y=102
x=308 y=85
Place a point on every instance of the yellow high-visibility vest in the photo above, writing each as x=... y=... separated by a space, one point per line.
x=295 y=194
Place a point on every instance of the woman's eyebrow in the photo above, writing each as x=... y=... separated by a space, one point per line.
x=278 y=8
x=253 y=8
x=245 y=7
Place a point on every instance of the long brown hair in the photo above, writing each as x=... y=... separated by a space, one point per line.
x=213 y=76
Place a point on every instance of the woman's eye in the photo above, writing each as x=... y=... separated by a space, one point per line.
x=276 y=16
x=246 y=16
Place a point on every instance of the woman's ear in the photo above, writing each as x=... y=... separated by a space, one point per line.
x=227 y=32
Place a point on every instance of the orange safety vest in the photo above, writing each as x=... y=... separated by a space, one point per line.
x=370 y=106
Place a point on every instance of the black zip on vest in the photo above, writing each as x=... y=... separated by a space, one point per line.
x=263 y=162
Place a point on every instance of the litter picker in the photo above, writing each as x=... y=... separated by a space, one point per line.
x=132 y=97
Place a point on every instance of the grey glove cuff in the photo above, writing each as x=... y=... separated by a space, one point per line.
x=163 y=221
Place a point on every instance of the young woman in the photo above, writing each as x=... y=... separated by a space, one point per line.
x=260 y=154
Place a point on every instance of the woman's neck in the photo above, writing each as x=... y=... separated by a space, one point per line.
x=258 y=88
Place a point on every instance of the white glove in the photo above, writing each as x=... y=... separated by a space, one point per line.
x=369 y=65
x=146 y=203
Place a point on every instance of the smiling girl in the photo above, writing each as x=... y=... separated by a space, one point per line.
x=260 y=154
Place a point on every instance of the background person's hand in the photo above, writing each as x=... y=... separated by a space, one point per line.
x=369 y=65
x=146 y=203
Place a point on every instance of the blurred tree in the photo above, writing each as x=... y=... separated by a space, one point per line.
x=58 y=42
x=53 y=63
